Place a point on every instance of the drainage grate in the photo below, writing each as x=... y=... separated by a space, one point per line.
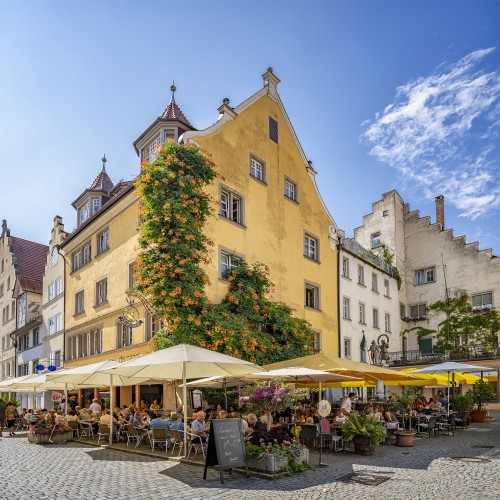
x=366 y=479
x=486 y=447
x=475 y=460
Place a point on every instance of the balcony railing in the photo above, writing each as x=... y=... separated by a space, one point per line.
x=417 y=357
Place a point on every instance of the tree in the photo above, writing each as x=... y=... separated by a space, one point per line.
x=462 y=325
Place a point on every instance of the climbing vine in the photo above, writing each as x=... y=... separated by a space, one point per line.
x=170 y=269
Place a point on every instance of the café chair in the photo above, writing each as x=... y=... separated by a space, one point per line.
x=178 y=441
x=159 y=436
x=197 y=445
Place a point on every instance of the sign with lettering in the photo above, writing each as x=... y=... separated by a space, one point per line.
x=56 y=396
x=226 y=447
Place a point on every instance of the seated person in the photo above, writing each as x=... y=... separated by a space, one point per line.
x=178 y=424
x=340 y=417
x=139 y=424
x=310 y=421
x=244 y=426
x=59 y=418
x=160 y=422
x=154 y=405
x=222 y=414
x=435 y=406
x=391 y=421
x=199 y=428
x=72 y=416
x=261 y=424
x=106 y=419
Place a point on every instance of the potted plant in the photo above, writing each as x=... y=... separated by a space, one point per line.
x=44 y=432
x=406 y=401
x=481 y=393
x=365 y=431
x=463 y=403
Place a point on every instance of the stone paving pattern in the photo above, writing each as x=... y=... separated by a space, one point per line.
x=425 y=471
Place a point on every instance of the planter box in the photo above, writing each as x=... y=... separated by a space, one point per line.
x=268 y=463
x=302 y=455
x=478 y=416
x=38 y=438
x=363 y=446
x=61 y=438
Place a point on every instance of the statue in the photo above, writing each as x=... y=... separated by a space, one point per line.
x=374 y=352
x=384 y=351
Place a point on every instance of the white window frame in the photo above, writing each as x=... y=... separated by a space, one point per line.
x=317 y=341
x=291 y=189
x=361 y=275
x=101 y=291
x=425 y=275
x=124 y=336
x=311 y=246
x=362 y=313
x=257 y=168
x=375 y=240
x=346 y=308
x=374 y=282
x=80 y=302
x=312 y=296
x=387 y=288
x=347 y=348
x=96 y=204
x=375 y=316
x=103 y=240
x=387 y=322
x=231 y=205
x=345 y=267
x=227 y=262
x=419 y=308
x=484 y=304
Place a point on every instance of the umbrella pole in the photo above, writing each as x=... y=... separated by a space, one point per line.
x=66 y=398
x=34 y=398
x=448 y=408
x=111 y=405
x=184 y=406
x=225 y=392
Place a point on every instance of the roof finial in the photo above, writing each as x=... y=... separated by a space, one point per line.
x=173 y=88
x=103 y=159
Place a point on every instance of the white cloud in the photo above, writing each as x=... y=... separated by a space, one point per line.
x=440 y=134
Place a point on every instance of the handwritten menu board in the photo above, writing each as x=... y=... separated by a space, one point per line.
x=225 y=446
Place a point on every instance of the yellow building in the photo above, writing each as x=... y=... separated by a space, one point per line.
x=270 y=211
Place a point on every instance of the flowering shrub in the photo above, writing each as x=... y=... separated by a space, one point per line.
x=270 y=396
x=43 y=427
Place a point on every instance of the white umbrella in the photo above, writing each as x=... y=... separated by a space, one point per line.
x=451 y=367
x=183 y=362
x=93 y=375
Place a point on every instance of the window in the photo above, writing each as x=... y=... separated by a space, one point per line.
x=425 y=346
x=23 y=342
x=77 y=260
x=54 y=324
x=1 y=290
x=311 y=247
x=132 y=278
x=148 y=153
x=312 y=296
x=153 y=326
x=374 y=282
x=36 y=336
x=103 y=241
x=8 y=283
x=418 y=310
x=124 y=336
x=362 y=318
x=21 y=317
x=387 y=322
x=5 y=314
x=228 y=262
x=375 y=318
x=402 y=311
x=23 y=369
x=86 y=253
x=55 y=359
x=346 y=308
x=273 y=129
x=361 y=275
x=387 y=291
x=317 y=341
x=80 y=302
x=34 y=364
x=83 y=213
x=423 y=276
x=13 y=309
x=52 y=292
x=96 y=205
x=290 y=189
x=257 y=169
x=345 y=267
x=101 y=291
x=347 y=348
x=55 y=288
x=482 y=301
x=231 y=205
x=95 y=339
x=51 y=326
x=375 y=240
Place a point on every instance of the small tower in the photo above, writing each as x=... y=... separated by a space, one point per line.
x=94 y=197
x=170 y=125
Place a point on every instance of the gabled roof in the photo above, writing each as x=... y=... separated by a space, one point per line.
x=30 y=259
x=174 y=113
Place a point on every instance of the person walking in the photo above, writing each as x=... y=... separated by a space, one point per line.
x=2 y=416
x=10 y=416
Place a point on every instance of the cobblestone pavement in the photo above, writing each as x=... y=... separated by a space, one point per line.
x=425 y=471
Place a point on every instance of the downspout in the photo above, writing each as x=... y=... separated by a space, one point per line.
x=338 y=298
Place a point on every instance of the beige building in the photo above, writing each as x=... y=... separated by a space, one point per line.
x=432 y=262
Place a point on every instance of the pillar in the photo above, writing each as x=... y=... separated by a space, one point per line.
x=379 y=390
x=137 y=396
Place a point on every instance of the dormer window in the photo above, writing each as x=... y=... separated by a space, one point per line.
x=83 y=213
x=96 y=205
x=148 y=153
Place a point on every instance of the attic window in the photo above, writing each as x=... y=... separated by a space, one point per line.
x=273 y=130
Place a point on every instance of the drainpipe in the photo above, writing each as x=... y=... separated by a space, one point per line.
x=338 y=298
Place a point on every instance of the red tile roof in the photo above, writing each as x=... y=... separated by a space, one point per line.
x=30 y=285
x=30 y=259
x=173 y=112
x=102 y=183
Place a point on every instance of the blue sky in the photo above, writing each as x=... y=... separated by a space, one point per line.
x=383 y=95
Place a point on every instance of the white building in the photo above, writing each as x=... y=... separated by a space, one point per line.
x=369 y=303
x=432 y=263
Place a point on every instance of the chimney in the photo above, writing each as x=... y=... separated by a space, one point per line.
x=440 y=210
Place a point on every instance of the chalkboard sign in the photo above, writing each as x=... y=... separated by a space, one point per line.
x=225 y=446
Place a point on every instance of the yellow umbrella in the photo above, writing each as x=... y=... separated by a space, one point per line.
x=354 y=383
x=442 y=379
x=329 y=363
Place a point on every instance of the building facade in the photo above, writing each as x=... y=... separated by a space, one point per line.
x=433 y=263
x=369 y=302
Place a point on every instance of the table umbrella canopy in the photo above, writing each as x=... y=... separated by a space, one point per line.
x=451 y=367
x=41 y=383
x=219 y=381
x=93 y=375
x=441 y=379
x=169 y=364
x=329 y=363
x=11 y=384
x=302 y=374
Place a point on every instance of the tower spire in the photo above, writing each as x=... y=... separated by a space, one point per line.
x=173 y=88
x=104 y=160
